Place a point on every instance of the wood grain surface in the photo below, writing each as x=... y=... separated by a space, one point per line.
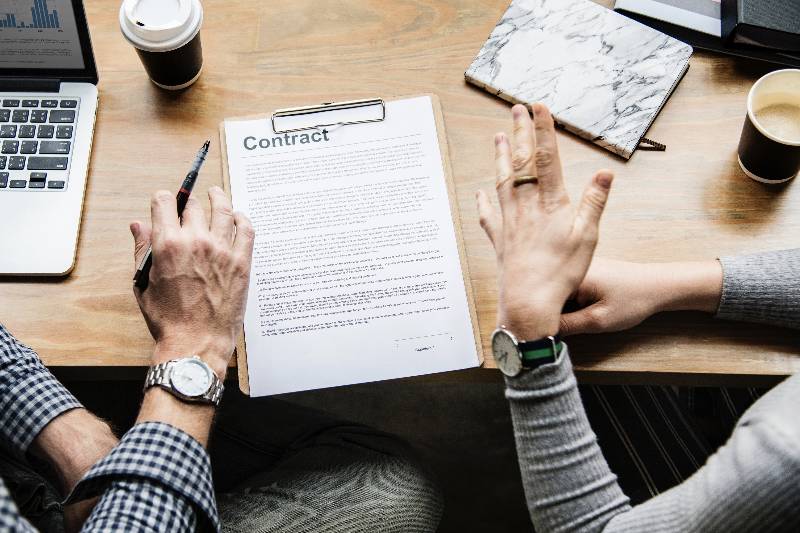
x=690 y=202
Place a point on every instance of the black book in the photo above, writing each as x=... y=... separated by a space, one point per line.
x=698 y=23
x=773 y=24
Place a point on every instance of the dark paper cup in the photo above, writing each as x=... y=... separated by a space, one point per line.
x=770 y=153
x=166 y=35
x=175 y=69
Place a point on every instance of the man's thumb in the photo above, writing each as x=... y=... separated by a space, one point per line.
x=141 y=240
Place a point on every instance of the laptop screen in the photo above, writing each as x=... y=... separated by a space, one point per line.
x=44 y=38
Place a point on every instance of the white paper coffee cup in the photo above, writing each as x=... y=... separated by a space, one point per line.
x=166 y=35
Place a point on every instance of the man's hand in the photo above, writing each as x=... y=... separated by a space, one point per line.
x=544 y=245
x=617 y=295
x=195 y=300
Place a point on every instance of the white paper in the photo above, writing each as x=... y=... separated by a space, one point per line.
x=356 y=275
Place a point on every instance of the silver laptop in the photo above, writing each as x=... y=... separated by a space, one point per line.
x=48 y=100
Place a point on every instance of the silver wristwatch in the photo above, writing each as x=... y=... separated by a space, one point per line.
x=189 y=379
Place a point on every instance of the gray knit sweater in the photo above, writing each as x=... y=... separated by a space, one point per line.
x=752 y=483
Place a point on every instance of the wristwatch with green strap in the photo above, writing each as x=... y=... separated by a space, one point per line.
x=513 y=356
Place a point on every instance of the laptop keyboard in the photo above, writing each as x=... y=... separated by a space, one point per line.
x=36 y=139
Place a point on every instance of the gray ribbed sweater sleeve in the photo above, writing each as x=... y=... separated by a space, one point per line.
x=749 y=484
x=762 y=287
x=567 y=482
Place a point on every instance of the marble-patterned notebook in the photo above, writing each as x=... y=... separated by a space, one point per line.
x=604 y=76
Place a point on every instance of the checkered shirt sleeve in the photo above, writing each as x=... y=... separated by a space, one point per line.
x=10 y=519
x=138 y=506
x=30 y=396
x=157 y=478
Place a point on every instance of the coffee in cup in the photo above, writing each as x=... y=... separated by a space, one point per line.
x=166 y=35
x=769 y=148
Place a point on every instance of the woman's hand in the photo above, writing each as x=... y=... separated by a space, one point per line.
x=617 y=295
x=543 y=244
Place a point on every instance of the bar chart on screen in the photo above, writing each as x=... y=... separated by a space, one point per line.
x=34 y=14
x=39 y=34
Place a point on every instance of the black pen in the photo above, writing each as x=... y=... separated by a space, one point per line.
x=142 y=276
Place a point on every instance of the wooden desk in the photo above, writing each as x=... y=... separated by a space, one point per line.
x=690 y=202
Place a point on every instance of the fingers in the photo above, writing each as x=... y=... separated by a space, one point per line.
x=141 y=240
x=546 y=160
x=524 y=148
x=583 y=321
x=593 y=203
x=193 y=216
x=503 y=169
x=489 y=217
x=245 y=236
x=164 y=210
x=221 y=214
x=524 y=143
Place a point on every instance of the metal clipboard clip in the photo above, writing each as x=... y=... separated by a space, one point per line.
x=300 y=118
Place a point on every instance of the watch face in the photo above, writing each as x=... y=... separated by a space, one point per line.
x=191 y=377
x=506 y=353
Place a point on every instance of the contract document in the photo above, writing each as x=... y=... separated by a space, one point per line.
x=357 y=273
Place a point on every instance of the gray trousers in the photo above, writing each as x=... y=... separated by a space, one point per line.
x=279 y=467
x=283 y=468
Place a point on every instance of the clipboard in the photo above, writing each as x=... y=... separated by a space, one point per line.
x=316 y=114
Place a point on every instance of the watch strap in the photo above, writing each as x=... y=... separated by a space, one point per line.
x=540 y=352
x=156 y=375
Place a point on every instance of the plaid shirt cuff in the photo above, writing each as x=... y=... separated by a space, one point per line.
x=29 y=406
x=163 y=455
x=30 y=397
